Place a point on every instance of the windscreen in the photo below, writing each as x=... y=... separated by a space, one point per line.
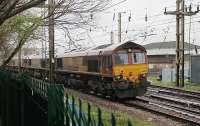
x=138 y=57
x=121 y=58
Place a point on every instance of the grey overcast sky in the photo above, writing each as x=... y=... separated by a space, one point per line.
x=158 y=28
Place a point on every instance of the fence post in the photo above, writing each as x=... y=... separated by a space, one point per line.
x=129 y=123
x=67 y=111
x=73 y=111
x=100 y=123
x=7 y=102
x=113 y=120
x=22 y=102
x=80 y=112
x=89 y=114
x=4 y=123
x=55 y=105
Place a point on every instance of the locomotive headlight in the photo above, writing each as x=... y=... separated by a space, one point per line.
x=118 y=77
x=143 y=75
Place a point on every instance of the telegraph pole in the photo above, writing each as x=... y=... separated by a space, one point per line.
x=51 y=40
x=182 y=41
x=180 y=31
x=20 y=59
x=112 y=37
x=119 y=27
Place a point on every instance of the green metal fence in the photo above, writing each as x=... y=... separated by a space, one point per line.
x=20 y=105
x=26 y=101
x=76 y=116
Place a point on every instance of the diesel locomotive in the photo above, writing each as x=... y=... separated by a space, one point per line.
x=116 y=70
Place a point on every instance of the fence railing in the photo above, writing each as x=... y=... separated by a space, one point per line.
x=26 y=101
x=20 y=105
x=77 y=115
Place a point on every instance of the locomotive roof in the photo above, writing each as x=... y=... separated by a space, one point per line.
x=104 y=49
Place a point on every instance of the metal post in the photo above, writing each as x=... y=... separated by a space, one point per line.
x=80 y=113
x=180 y=14
x=112 y=37
x=182 y=41
x=22 y=104
x=45 y=52
x=177 y=41
x=51 y=40
x=20 y=59
x=189 y=51
x=113 y=119
x=119 y=27
x=89 y=115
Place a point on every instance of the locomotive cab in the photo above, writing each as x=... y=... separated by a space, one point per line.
x=130 y=69
x=130 y=65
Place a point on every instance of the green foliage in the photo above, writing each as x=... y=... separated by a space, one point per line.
x=15 y=32
x=17 y=25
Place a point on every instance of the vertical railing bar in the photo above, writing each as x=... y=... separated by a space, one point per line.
x=89 y=114
x=100 y=123
x=80 y=112
x=129 y=123
x=73 y=111
x=113 y=119
x=67 y=111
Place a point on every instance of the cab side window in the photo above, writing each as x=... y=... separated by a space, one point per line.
x=107 y=62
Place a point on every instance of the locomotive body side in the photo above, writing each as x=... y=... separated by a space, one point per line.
x=118 y=71
x=74 y=63
x=104 y=73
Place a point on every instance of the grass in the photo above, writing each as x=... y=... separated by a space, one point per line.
x=188 y=86
x=121 y=118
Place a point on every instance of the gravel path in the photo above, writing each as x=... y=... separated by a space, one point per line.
x=134 y=112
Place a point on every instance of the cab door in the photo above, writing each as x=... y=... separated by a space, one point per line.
x=107 y=64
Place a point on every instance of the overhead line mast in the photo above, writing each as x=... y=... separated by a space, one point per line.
x=120 y=26
x=180 y=13
x=51 y=40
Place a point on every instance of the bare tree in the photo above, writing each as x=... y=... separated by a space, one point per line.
x=10 y=8
x=68 y=14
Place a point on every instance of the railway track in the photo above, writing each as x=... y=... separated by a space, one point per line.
x=174 y=92
x=181 y=110
x=174 y=110
x=171 y=102
x=177 y=104
x=187 y=116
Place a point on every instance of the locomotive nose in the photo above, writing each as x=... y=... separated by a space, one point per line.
x=131 y=73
